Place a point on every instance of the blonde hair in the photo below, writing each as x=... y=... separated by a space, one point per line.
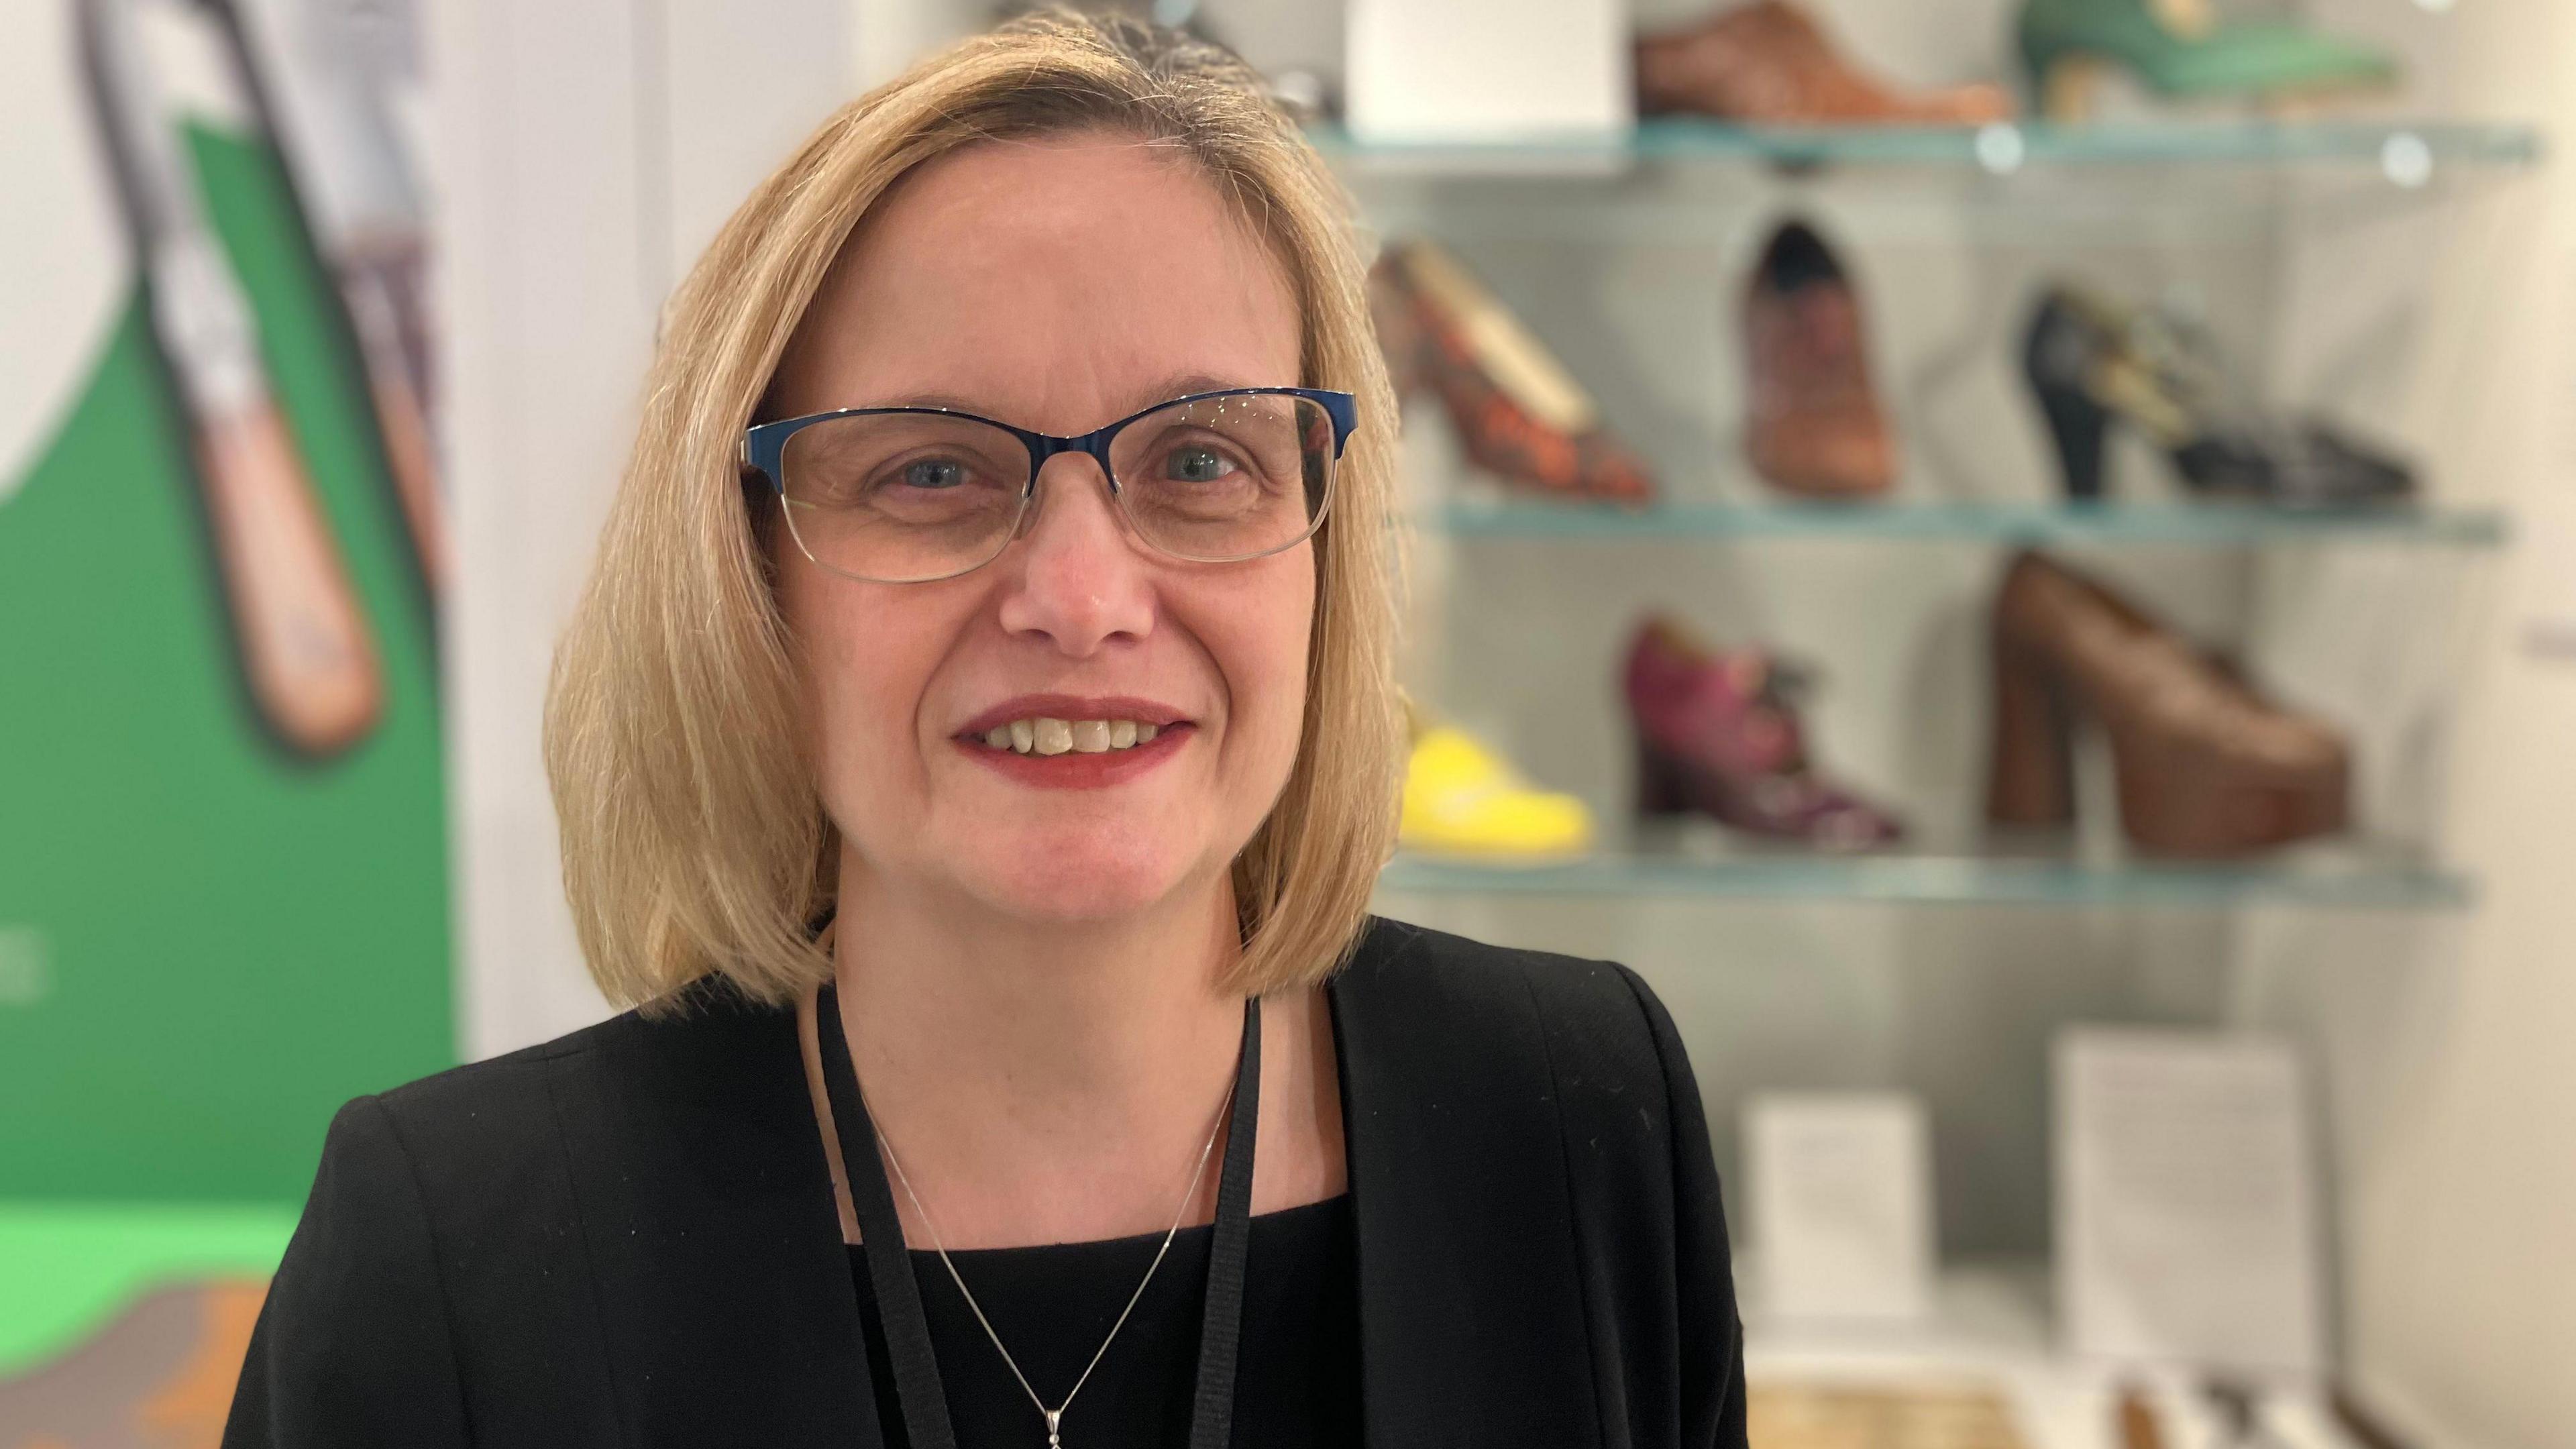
x=694 y=840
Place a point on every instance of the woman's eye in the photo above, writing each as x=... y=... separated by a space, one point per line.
x=1196 y=465
x=934 y=473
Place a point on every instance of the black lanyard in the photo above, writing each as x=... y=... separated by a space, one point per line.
x=916 y=1366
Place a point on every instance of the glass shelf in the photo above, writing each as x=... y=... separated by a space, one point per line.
x=2001 y=523
x=2408 y=153
x=2339 y=880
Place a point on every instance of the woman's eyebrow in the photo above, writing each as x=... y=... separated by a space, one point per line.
x=1186 y=384
x=944 y=402
x=1183 y=385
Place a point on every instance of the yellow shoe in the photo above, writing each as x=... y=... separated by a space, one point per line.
x=1462 y=798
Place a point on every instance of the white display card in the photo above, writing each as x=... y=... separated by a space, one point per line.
x=1842 y=1204
x=2186 y=1219
x=1432 y=71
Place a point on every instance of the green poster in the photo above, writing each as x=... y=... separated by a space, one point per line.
x=223 y=899
x=223 y=859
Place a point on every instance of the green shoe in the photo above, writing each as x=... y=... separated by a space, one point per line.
x=2179 y=48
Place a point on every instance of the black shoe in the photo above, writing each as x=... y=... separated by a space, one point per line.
x=2090 y=360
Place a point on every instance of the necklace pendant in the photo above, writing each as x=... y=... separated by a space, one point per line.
x=1054 y=1415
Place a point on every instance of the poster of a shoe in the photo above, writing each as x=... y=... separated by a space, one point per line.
x=306 y=656
x=338 y=87
x=223 y=851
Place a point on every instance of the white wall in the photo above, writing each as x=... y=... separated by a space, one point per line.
x=587 y=150
x=2452 y=1069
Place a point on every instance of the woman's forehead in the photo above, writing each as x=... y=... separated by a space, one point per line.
x=1070 y=275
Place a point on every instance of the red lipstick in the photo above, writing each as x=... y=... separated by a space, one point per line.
x=1072 y=706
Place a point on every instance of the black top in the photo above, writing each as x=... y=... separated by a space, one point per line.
x=626 y=1238
x=1298 y=1377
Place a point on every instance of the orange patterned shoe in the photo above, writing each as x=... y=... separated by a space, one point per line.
x=1518 y=413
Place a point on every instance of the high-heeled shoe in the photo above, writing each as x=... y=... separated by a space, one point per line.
x=2182 y=49
x=2206 y=767
x=1461 y=797
x=1718 y=734
x=1813 y=425
x=1518 y=413
x=2089 y=360
x=1769 y=62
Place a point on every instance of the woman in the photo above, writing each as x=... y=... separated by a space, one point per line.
x=973 y=755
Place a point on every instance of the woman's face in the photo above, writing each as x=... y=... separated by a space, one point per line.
x=1057 y=285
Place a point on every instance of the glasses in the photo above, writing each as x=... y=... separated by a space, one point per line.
x=909 y=495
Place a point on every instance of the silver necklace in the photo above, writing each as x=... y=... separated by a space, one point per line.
x=1055 y=1416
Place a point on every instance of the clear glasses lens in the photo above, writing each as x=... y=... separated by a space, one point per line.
x=1228 y=477
x=905 y=497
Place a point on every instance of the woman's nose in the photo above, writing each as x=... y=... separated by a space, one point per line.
x=1080 y=578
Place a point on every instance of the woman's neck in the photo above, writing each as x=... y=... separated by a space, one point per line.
x=1040 y=1083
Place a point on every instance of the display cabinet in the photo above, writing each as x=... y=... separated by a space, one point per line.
x=1944 y=965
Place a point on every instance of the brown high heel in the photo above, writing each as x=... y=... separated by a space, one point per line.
x=2206 y=767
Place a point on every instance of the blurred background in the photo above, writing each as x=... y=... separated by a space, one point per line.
x=2014 y=557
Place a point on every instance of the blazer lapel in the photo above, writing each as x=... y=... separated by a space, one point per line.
x=1472 y=1329
x=724 y=1291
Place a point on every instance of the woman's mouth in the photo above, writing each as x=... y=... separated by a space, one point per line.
x=1073 y=742
x=1047 y=735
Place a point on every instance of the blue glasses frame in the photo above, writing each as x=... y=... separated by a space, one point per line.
x=764 y=445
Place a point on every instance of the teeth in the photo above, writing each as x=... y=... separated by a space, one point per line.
x=1044 y=735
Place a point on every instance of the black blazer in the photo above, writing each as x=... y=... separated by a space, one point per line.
x=626 y=1237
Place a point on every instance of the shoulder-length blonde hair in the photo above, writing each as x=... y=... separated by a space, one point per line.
x=693 y=837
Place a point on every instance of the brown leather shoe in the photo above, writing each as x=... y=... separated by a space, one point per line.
x=2207 y=768
x=1813 y=425
x=1768 y=62
x=1518 y=413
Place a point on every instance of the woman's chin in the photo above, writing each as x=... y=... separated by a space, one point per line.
x=1080 y=889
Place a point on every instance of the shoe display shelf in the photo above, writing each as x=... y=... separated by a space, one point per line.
x=1678 y=181
x=2339 y=878
x=2045 y=554
x=2407 y=153
x=2339 y=874
x=2007 y=524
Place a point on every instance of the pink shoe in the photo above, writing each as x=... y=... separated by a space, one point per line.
x=1718 y=734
